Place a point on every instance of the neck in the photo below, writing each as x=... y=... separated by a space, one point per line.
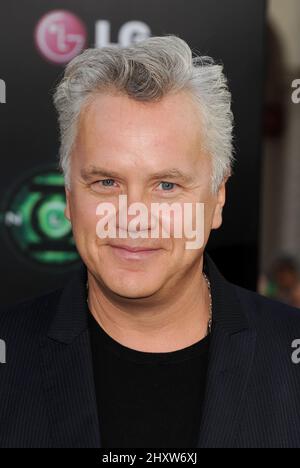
x=158 y=324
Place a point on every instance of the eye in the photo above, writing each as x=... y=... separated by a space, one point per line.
x=167 y=186
x=101 y=186
x=106 y=182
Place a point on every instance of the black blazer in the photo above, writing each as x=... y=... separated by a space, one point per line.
x=47 y=395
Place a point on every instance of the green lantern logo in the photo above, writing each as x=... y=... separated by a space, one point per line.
x=34 y=219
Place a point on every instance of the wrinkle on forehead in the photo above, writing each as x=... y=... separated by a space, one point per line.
x=150 y=135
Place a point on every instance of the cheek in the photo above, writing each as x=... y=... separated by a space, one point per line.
x=183 y=258
x=209 y=213
x=83 y=214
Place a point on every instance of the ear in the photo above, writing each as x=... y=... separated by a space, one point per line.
x=221 y=198
x=67 y=209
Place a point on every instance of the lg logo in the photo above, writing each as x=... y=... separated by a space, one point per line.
x=296 y=353
x=130 y=33
x=60 y=35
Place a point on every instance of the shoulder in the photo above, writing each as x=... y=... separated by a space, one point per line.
x=29 y=317
x=268 y=314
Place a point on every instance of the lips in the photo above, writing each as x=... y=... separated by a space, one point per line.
x=124 y=252
x=134 y=249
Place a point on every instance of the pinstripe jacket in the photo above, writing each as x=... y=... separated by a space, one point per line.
x=47 y=395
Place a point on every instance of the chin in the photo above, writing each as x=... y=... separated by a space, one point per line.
x=134 y=292
x=130 y=294
x=131 y=285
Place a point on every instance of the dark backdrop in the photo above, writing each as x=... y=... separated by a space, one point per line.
x=36 y=248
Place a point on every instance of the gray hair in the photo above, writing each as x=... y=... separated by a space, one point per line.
x=148 y=71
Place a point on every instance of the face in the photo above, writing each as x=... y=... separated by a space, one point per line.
x=152 y=153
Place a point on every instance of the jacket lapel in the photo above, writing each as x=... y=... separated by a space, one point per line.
x=68 y=372
x=231 y=357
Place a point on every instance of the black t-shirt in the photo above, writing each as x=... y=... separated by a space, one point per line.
x=148 y=400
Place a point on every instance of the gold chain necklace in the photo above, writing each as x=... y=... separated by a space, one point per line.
x=209 y=325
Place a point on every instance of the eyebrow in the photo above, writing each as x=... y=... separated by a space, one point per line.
x=92 y=171
x=173 y=173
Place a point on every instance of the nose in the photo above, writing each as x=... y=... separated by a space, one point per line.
x=135 y=205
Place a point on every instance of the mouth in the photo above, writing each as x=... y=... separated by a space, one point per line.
x=134 y=253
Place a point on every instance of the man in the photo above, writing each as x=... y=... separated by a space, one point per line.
x=148 y=346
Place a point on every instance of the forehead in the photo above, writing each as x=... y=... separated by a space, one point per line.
x=116 y=120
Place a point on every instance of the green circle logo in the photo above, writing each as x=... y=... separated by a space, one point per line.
x=34 y=220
